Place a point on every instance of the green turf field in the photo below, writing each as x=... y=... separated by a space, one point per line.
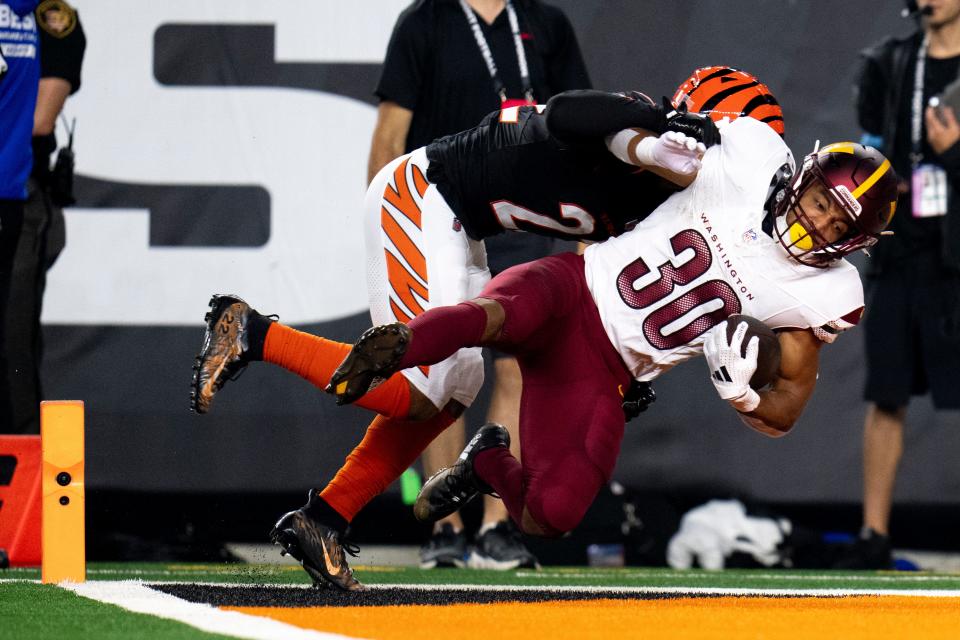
x=30 y=611
x=549 y=576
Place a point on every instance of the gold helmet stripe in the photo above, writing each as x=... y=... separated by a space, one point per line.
x=838 y=147
x=872 y=179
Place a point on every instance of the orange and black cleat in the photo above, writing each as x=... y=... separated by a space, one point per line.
x=224 y=352
x=374 y=358
x=321 y=550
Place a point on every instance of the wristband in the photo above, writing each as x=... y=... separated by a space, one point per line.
x=746 y=401
x=644 y=151
x=619 y=144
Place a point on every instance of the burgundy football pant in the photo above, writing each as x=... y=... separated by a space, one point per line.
x=571 y=420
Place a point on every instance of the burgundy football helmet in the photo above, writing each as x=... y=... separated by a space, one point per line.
x=860 y=179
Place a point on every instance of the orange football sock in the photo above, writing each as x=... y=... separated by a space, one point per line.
x=389 y=447
x=315 y=359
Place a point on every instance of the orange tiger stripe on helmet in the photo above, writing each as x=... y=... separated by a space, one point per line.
x=725 y=92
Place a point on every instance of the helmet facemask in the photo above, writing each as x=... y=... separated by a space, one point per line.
x=862 y=185
x=796 y=231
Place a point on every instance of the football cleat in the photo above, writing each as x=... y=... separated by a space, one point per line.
x=501 y=548
x=445 y=548
x=450 y=489
x=871 y=550
x=373 y=359
x=223 y=354
x=320 y=550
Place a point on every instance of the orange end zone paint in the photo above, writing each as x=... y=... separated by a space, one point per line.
x=850 y=618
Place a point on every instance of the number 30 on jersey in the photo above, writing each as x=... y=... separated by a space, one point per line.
x=662 y=316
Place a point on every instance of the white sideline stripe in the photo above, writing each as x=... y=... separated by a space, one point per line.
x=730 y=591
x=696 y=591
x=136 y=596
x=773 y=577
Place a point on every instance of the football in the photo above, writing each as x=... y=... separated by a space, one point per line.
x=768 y=357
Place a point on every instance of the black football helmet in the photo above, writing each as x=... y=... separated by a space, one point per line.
x=860 y=179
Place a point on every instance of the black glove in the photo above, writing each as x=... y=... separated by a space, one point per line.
x=695 y=125
x=638 y=397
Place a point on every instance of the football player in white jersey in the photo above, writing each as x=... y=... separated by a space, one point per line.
x=750 y=235
x=713 y=250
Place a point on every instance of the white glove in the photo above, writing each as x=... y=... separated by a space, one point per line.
x=729 y=371
x=673 y=151
x=3 y=66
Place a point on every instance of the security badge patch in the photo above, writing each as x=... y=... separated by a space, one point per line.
x=57 y=18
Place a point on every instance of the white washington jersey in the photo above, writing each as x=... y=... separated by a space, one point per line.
x=702 y=256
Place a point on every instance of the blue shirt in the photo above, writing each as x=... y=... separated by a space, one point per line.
x=20 y=45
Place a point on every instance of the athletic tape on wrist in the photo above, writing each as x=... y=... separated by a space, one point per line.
x=747 y=401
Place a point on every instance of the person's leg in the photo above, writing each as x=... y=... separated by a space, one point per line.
x=882 y=450
x=504 y=409
x=315 y=358
x=570 y=447
x=447 y=544
x=503 y=252
x=11 y=223
x=499 y=543
x=22 y=341
x=571 y=417
x=416 y=259
x=891 y=375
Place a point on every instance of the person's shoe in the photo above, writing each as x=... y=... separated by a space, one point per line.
x=871 y=550
x=449 y=489
x=373 y=359
x=223 y=354
x=501 y=547
x=445 y=548
x=321 y=550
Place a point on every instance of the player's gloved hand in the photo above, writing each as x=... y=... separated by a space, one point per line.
x=673 y=151
x=695 y=125
x=3 y=66
x=637 y=398
x=729 y=370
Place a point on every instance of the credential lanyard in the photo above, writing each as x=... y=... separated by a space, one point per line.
x=916 y=105
x=488 y=57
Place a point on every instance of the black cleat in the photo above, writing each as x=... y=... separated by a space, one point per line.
x=871 y=550
x=373 y=359
x=448 y=490
x=445 y=548
x=501 y=548
x=321 y=550
x=223 y=354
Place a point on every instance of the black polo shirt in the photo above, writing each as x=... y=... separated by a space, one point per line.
x=434 y=67
x=60 y=57
x=912 y=236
